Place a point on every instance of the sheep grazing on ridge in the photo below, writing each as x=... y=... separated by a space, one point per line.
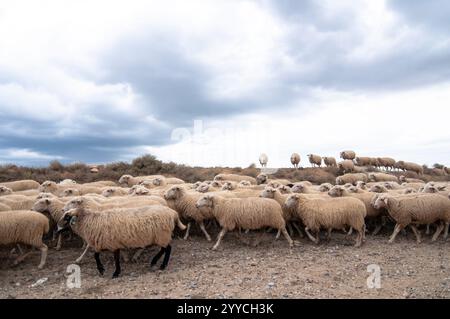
x=351 y=178
x=329 y=161
x=234 y=178
x=408 y=166
x=386 y=162
x=329 y=214
x=24 y=227
x=315 y=160
x=185 y=204
x=346 y=166
x=363 y=161
x=21 y=185
x=123 y=228
x=347 y=155
x=263 y=159
x=412 y=210
x=295 y=159
x=382 y=177
x=245 y=213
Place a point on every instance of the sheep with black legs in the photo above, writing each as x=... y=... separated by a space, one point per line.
x=125 y=228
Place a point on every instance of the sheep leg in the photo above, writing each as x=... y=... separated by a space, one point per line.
x=219 y=238
x=359 y=238
x=290 y=230
x=136 y=255
x=117 y=262
x=157 y=256
x=397 y=229
x=100 y=267
x=350 y=231
x=202 y=227
x=247 y=231
x=278 y=234
x=377 y=229
x=288 y=238
x=186 y=234
x=167 y=252
x=428 y=231
x=22 y=257
x=416 y=232
x=329 y=234
x=299 y=230
x=78 y=260
x=59 y=242
x=311 y=236
x=446 y=231
x=438 y=232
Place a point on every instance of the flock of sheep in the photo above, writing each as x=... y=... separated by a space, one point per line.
x=141 y=211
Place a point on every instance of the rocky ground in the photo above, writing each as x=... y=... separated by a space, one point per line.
x=253 y=266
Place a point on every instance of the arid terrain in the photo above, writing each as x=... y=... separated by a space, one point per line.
x=253 y=266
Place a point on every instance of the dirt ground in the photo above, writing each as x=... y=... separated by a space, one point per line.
x=252 y=266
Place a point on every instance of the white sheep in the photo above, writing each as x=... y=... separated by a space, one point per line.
x=315 y=160
x=245 y=213
x=24 y=227
x=329 y=213
x=263 y=159
x=295 y=159
x=21 y=185
x=123 y=228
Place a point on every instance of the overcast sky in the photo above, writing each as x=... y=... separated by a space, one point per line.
x=219 y=82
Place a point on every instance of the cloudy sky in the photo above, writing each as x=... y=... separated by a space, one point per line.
x=219 y=82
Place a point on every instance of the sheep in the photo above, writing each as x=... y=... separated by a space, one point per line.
x=302 y=188
x=346 y=166
x=204 y=188
x=412 y=210
x=184 y=203
x=329 y=213
x=295 y=159
x=329 y=161
x=416 y=186
x=347 y=155
x=408 y=166
x=54 y=208
x=386 y=162
x=404 y=179
x=244 y=184
x=115 y=191
x=283 y=189
x=264 y=179
x=363 y=161
x=8 y=191
x=67 y=182
x=167 y=181
x=88 y=203
x=52 y=187
x=130 y=181
x=263 y=159
x=433 y=189
x=382 y=177
x=246 y=213
x=361 y=185
x=119 y=229
x=229 y=186
x=4 y=207
x=24 y=227
x=21 y=185
x=101 y=184
x=325 y=187
x=315 y=160
x=234 y=178
x=366 y=198
x=351 y=178
x=288 y=214
x=17 y=202
x=70 y=192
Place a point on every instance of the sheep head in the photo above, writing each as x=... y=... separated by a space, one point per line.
x=157 y=181
x=74 y=203
x=261 y=178
x=42 y=205
x=268 y=192
x=336 y=191
x=70 y=192
x=284 y=189
x=108 y=192
x=173 y=193
x=5 y=190
x=380 y=201
x=125 y=179
x=205 y=203
x=292 y=201
x=325 y=187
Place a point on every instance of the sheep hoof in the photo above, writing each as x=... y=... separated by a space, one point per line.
x=296 y=243
x=101 y=271
x=114 y=276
